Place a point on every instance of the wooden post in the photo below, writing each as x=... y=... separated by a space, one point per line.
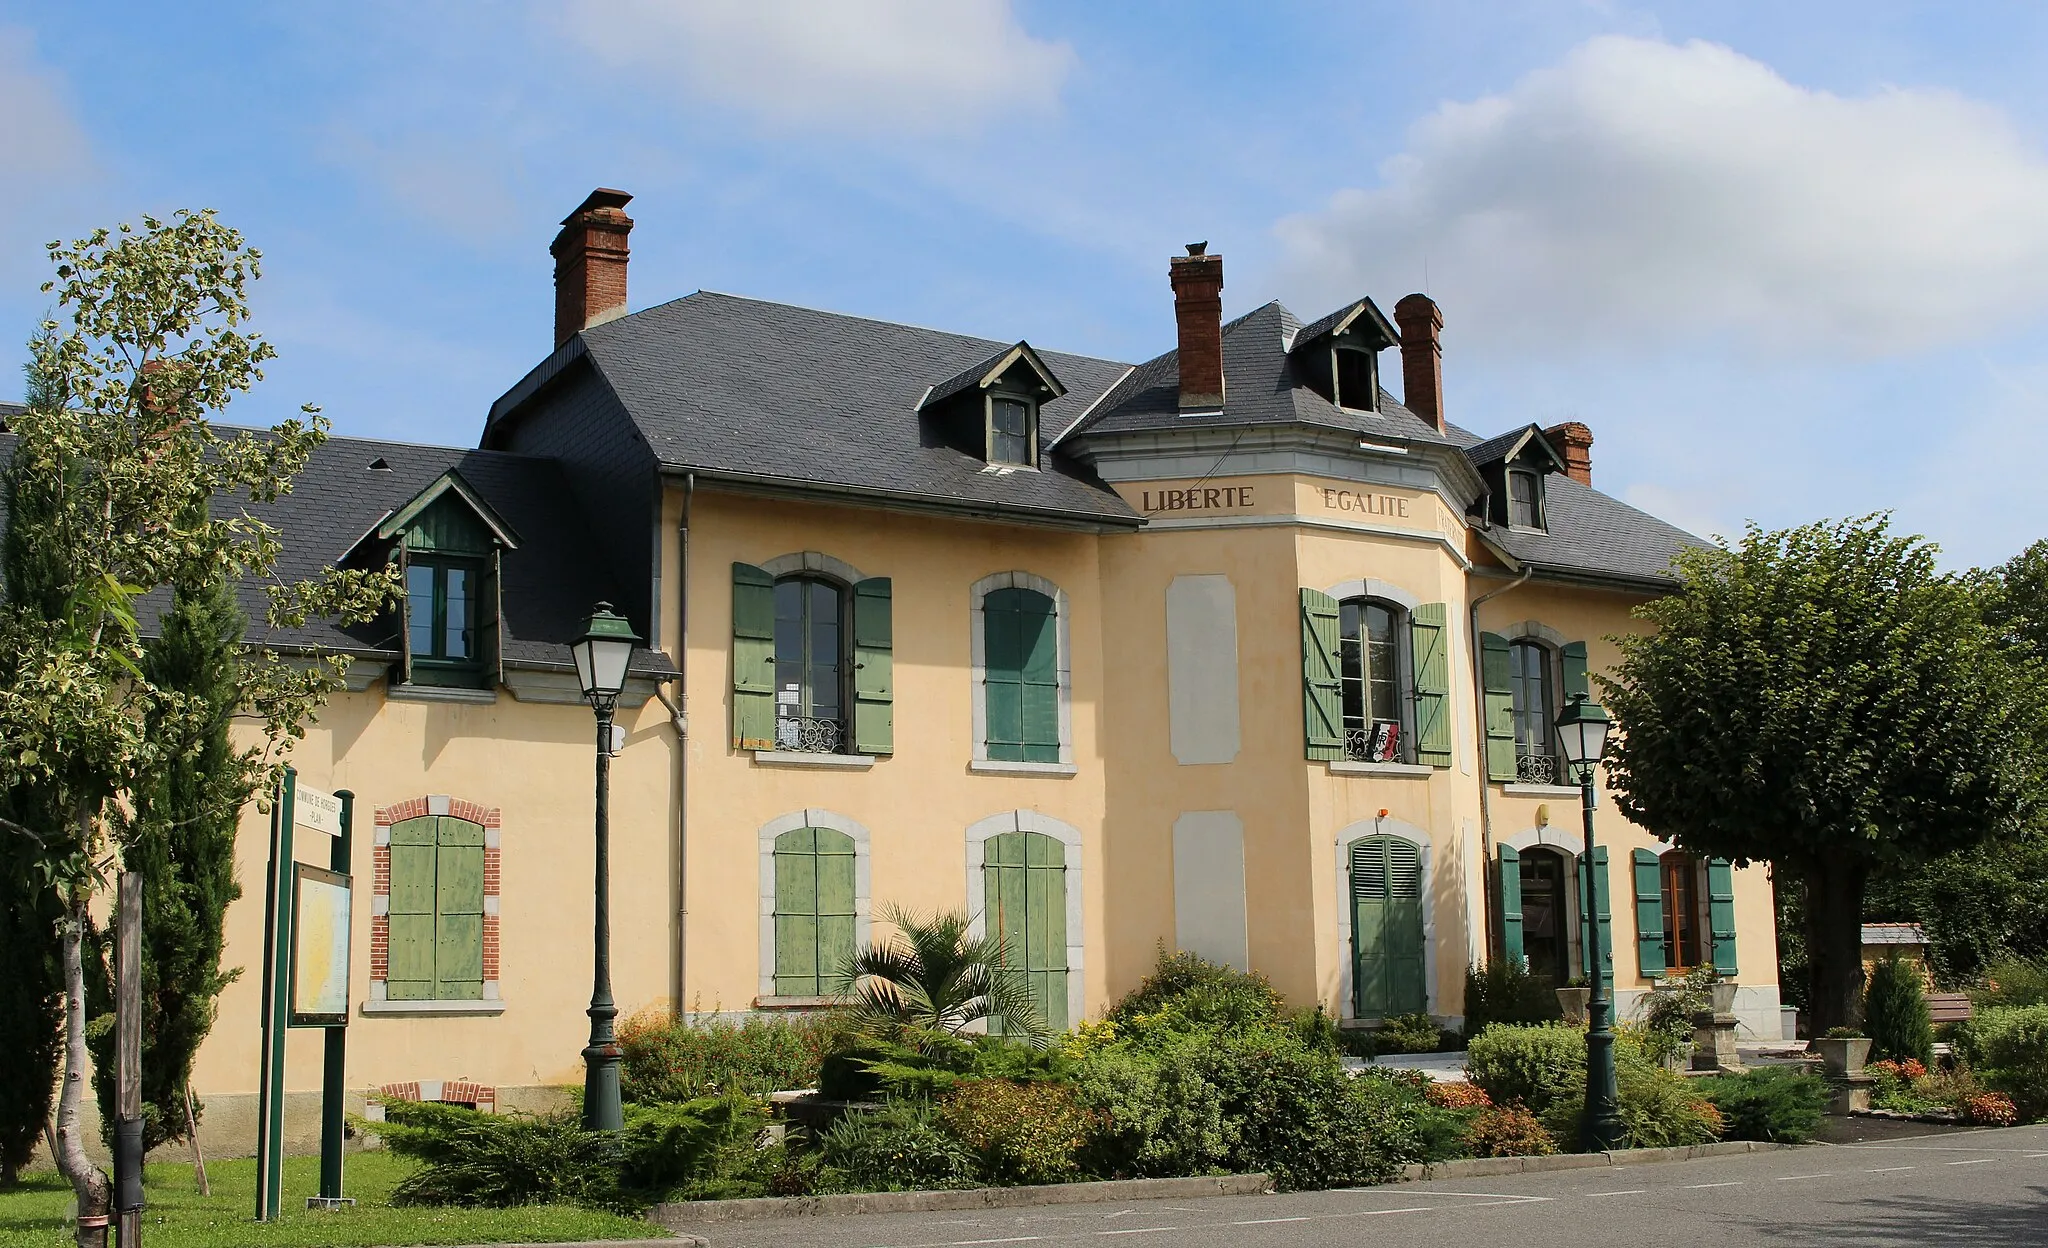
x=128 y=1060
x=192 y=1134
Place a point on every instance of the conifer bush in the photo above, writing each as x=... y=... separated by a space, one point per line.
x=1895 y=1013
x=1776 y=1104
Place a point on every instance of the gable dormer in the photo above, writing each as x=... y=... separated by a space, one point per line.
x=1514 y=467
x=1339 y=356
x=448 y=545
x=990 y=411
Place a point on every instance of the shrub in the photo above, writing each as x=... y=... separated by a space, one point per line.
x=472 y=1159
x=1531 y=1064
x=1778 y=1104
x=897 y=1147
x=1845 y=1033
x=1294 y=1113
x=2008 y=1049
x=1019 y=1132
x=1457 y=1094
x=1505 y=992
x=1895 y=1012
x=1193 y=991
x=666 y=1147
x=2013 y=981
x=668 y=1058
x=1659 y=1108
x=1988 y=1109
x=1407 y=1033
x=1316 y=1029
x=1156 y=1116
x=1508 y=1131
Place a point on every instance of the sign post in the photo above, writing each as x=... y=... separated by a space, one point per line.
x=315 y=996
x=277 y=915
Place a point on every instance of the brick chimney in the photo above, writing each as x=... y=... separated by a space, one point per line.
x=1574 y=445
x=590 y=264
x=1198 y=311
x=1422 y=357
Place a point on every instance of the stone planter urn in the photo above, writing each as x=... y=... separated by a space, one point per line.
x=1572 y=1002
x=1844 y=1057
x=1713 y=1034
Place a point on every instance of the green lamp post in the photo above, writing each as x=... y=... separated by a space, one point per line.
x=601 y=654
x=1582 y=731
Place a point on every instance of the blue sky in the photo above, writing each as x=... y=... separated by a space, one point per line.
x=1787 y=260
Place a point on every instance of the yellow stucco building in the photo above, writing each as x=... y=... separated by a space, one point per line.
x=1226 y=651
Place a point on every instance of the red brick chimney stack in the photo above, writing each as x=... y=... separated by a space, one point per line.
x=590 y=264
x=1574 y=445
x=1422 y=357
x=1198 y=311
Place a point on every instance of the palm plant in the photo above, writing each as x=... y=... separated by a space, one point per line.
x=935 y=977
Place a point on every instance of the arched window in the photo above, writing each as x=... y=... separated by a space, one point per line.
x=1386 y=927
x=1022 y=676
x=1535 y=711
x=1024 y=899
x=1681 y=876
x=810 y=665
x=1372 y=666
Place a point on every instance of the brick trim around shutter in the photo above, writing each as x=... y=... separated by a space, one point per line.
x=486 y=817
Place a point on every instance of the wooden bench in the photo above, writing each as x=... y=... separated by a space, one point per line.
x=1948 y=1007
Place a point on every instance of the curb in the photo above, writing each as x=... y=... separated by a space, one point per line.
x=1488 y=1167
x=679 y=1214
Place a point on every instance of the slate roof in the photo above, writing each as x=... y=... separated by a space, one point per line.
x=1259 y=388
x=7 y=410
x=1324 y=324
x=1592 y=534
x=549 y=584
x=769 y=392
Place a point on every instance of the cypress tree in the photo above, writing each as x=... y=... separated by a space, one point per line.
x=1895 y=1013
x=181 y=837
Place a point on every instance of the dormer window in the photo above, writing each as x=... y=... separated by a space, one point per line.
x=1358 y=379
x=441 y=610
x=1012 y=430
x=990 y=411
x=1338 y=355
x=1525 y=499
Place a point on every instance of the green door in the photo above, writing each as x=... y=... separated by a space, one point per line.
x=1386 y=928
x=1024 y=884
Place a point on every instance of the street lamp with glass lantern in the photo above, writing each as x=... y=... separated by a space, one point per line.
x=1582 y=731
x=602 y=654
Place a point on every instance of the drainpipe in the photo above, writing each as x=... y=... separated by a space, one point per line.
x=681 y=722
x=1479 y=731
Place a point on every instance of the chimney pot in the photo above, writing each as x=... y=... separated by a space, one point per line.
x=1574 y=445
x=1422 y=357
x=1198 y=313
x=590 y=263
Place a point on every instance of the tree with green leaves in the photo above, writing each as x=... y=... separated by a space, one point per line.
x=936 y=976
x=122 y=488
x=1826 y=700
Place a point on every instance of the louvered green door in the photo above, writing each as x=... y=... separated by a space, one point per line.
x=1024 y=882
x=1386 y=928
x=814 y=911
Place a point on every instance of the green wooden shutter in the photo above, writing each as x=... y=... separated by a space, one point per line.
x=1021 y=689
x=814 y=911
x=1571 y=661
x=1024 y=892
x=1508 y=880
x=1386 y=928
x=753 y=658
x=410 y=971
x=1602 y=920
x=836 y=910
x=1649 y=883
x=403 y=558
x=1721 y=913
x=490 y=608
x=1323 y=708
x=1409 y=992
x=874 y=681
x=1428 y=637
x=1499 y=693
x=459 y=911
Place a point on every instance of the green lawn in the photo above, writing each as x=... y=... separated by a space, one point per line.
x=177 y=1217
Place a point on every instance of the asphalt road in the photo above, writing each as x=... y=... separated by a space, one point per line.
x=1969 y=1188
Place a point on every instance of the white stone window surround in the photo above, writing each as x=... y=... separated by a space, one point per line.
x=811 y=817
x=978 y=835
x=1062 y=661
x=1572 y=845
x=1348 y=967
x=1386 y=591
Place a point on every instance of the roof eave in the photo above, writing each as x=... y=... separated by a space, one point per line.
x=768 y=485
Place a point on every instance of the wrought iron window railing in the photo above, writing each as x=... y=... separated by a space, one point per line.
x=805 y=734
x=1377 y=742
x=1537 y=769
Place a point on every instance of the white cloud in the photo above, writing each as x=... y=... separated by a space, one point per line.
x=924 y=66
x=462 y=186
x=1639 y=191
x=43 y=152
